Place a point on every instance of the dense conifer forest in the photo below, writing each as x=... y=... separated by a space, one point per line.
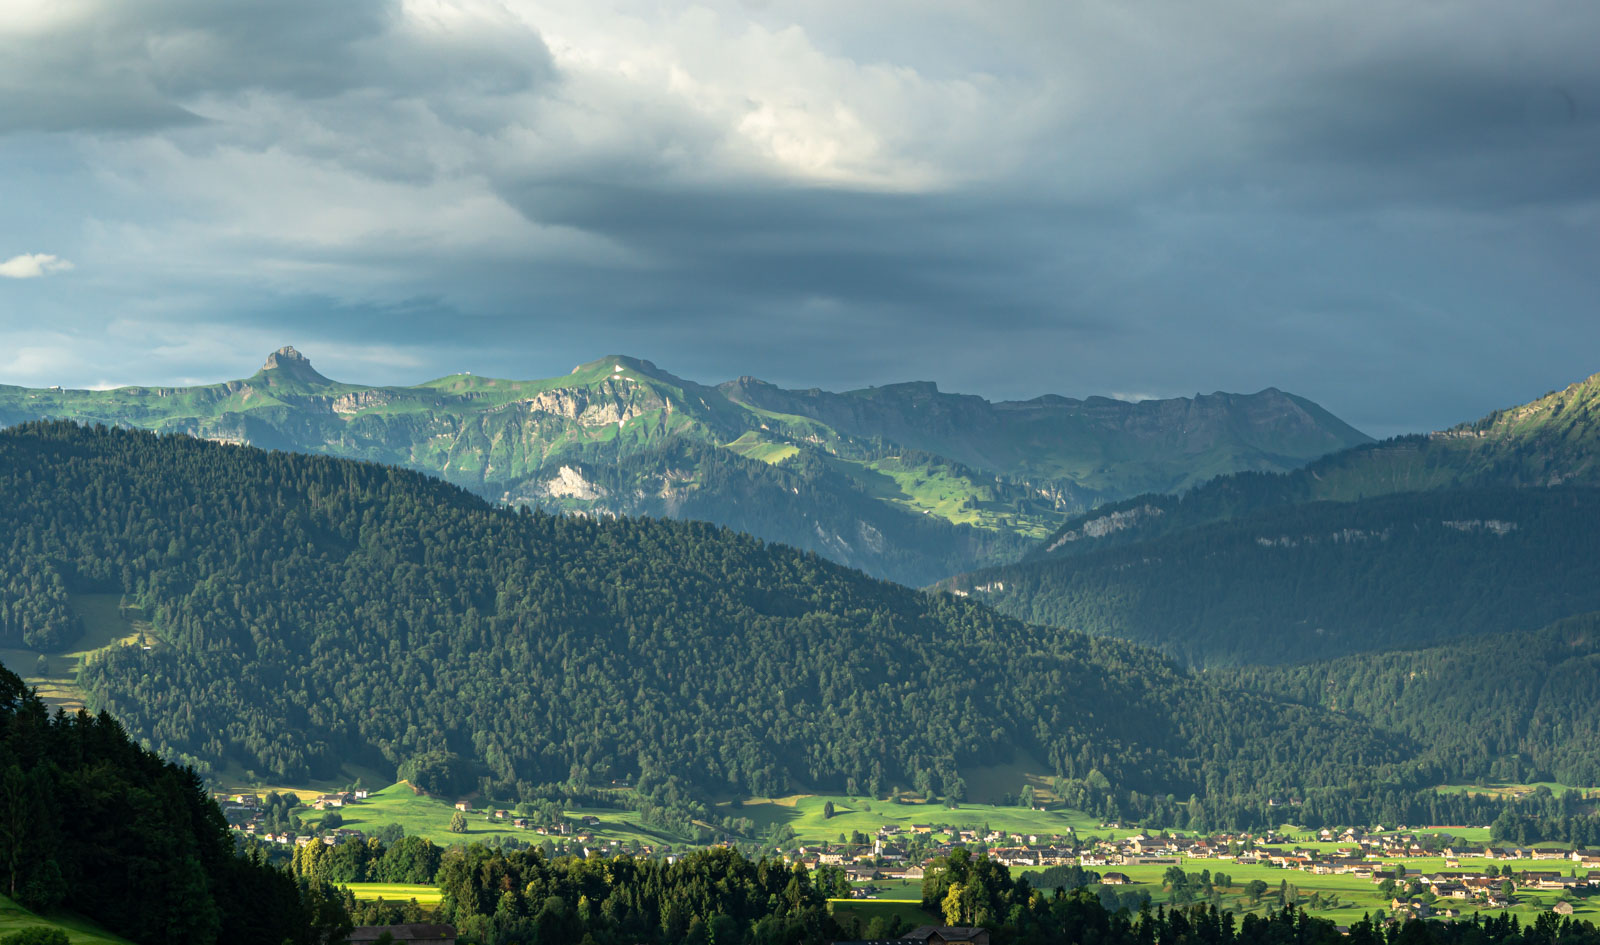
x=311 y=610
x=93 y=823
x=1510 y=707
x=1326 y=579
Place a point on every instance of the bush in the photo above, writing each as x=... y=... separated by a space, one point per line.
x=36 y=935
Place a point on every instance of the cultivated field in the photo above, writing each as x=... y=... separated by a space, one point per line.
x=396 y=892
x=910 y=912
x=804 y=814
x=1355 y=896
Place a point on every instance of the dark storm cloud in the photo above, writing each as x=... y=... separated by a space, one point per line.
x=132 y=66
x=927 y=257
x=1391 y=209
x=1441 y=133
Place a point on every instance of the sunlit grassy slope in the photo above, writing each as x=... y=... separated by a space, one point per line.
x=14 y=918
x=105 y=624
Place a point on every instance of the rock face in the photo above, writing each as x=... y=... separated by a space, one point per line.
x=570 y=484
x=287 y=361
x=359 y=400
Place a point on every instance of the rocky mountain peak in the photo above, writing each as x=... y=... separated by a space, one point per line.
x=289 y=361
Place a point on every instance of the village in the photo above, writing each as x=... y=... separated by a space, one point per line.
x=1429 y=872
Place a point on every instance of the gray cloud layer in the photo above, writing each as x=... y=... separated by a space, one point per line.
x=1389 y=208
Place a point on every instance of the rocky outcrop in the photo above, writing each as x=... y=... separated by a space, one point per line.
x=1105 y=525
x=569 y=483
x=615 y=401
x=358 y=401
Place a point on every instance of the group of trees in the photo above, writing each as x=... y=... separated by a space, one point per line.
x=93 y=823
x=714 y=897
x=406 y=860
x=383 y=617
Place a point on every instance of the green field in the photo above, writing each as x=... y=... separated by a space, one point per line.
x=1507 y=789
x=804 y=813
x=423 y=816
x=396 y=892
x=1356 y=896
x=753 y=445
x=909 y=911
x=14 y=918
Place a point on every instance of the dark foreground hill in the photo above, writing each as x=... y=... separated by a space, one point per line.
x=903 y=481
x=93 y=823
x=310 y=611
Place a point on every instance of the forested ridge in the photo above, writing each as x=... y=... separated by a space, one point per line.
x=311 y=610
x=1552 y=441
x=1326 y=579
x=1513 y=707
x=93 y=823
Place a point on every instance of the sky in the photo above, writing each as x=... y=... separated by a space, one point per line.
x=1391 y=208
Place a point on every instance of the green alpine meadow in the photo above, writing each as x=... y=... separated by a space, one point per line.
x=902 y=481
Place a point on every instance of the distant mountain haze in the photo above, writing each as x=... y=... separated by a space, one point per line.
x=1486 y=527
x=904 y=481
x=1551 y=441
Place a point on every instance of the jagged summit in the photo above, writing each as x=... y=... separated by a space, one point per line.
x=291 y=362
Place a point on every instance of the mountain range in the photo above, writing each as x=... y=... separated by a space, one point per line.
x=904 y=481
x=1492 y=525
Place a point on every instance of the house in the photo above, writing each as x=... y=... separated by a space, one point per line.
x=361 y=794
x=418 y=934
x=1562 y=908
x=947 y=935
x=1115 y=879
x=464 y=807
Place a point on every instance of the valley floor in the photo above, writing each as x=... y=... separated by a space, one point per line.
x=885 y=890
